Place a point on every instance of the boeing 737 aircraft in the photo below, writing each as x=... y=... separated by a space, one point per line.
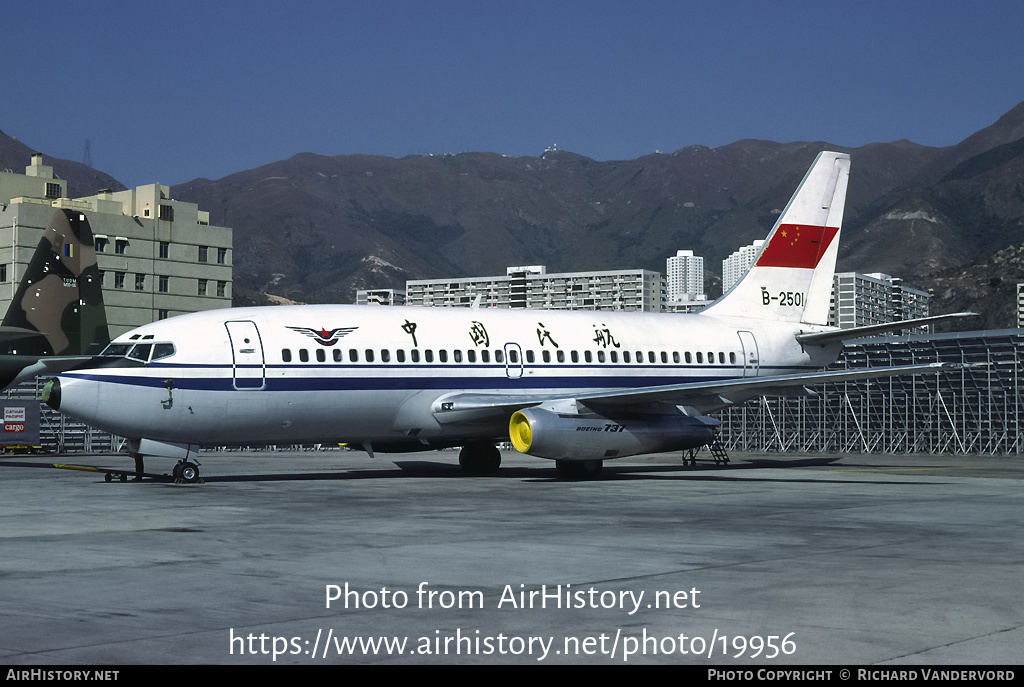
x=575 y=387
x=57 y=314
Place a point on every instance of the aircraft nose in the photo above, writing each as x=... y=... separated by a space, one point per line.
x=51 y=393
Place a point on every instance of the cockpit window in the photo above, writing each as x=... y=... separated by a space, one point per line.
x=162 y=350
x=140 y=352
x=116 y=350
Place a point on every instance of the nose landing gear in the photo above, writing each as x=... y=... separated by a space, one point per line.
x=186 y=472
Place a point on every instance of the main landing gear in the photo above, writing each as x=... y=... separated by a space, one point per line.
x=480 y=458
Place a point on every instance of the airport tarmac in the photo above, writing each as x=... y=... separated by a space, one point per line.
x=771 y=560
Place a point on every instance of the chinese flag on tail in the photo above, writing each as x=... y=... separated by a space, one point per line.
x=797 y=246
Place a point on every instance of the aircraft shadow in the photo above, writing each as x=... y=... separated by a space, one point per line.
x=419 y=469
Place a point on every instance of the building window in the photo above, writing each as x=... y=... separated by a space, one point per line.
x=121 y=246
x=202 y=287
x=222 y=289
x=167 y=213
x=3 y=272
x=203 y=253
x=101 y=244
x=165 y=284
x=163 y=314
x=52 y=190
x=118 y=280
x=165 y=250
x=140 y=282
x=222 y=256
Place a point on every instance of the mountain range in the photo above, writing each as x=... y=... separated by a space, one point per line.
x=315 y=228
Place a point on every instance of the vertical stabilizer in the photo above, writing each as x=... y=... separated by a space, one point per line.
x=58 y=307
x=791 y=279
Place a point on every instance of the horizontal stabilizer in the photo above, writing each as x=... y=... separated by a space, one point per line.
x=836 y=335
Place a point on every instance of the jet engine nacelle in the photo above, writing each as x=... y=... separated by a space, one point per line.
x=564 y=436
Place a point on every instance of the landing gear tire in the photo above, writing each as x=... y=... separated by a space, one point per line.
x=579 y=469
x=187 y=472
x=480 y=458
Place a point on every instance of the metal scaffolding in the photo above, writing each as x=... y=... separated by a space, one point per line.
x=976 y=410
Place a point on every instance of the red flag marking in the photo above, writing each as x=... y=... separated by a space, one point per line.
x=797 y=246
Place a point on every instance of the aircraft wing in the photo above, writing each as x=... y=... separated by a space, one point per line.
x=705 y=397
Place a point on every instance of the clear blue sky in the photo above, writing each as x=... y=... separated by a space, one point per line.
x=169 y=91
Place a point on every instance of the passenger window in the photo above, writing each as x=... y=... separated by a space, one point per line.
x=428 y=356
x=530 y=358
x=303 y=355
x=560 y=356
x=471 y=355
x=353 y=355
x=400 y=354
x=650 y=357
x=614 y=356
x=499 y=356
x=732 y=357
x=575 y=357
x=700 y=357
x=721 y=357
x=513 y=357
x=415 y=355
x=321 y=355
x=442 y=356
x=664 y=357
x=675 y=357
x=369 y=355
x=385 y=355
x=286 y=355
x=337 y=355
x=485 y=356
x=625 y=357
x=689 y=358
x=457 y=356
x=711 y=358
x=588 y=356
x=547 y=356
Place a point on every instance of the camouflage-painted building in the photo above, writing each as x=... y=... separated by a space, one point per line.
x=157 y=257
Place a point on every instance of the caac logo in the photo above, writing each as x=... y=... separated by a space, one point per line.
x=324 y=337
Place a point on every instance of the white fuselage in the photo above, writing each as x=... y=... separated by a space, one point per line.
x=358 y=374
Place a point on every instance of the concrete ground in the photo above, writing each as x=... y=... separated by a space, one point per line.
x=326 y=557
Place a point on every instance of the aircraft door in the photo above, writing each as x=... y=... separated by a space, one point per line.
x=247 y=362
x=751 y=360
x=513 y=361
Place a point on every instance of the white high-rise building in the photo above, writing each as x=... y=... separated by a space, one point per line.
x=737 y=264
x=684 y=279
